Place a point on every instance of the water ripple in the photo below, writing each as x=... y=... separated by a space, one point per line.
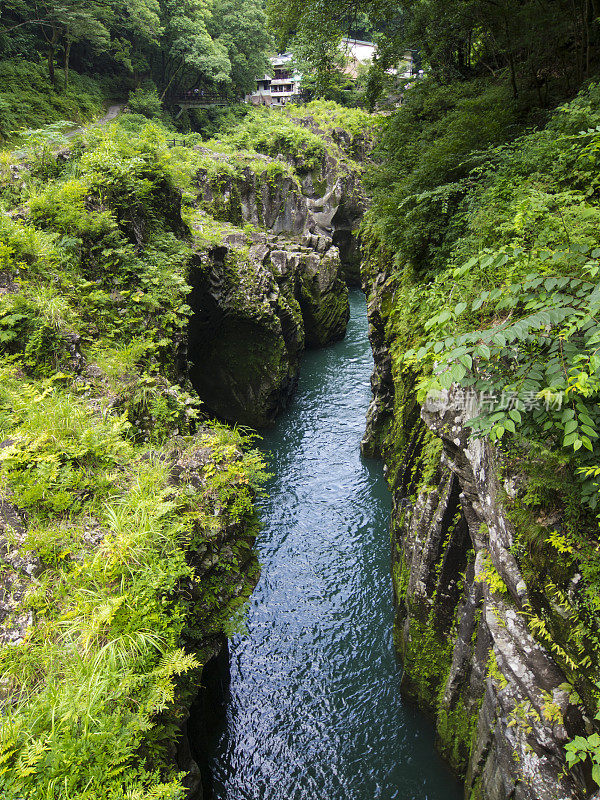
x=315 y=711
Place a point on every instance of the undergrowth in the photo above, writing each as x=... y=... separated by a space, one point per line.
x=29 y=100
x=491 y=230
x=129 y=519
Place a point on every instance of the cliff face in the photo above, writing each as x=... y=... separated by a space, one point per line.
x=484 y=645
x=275 y=283
x=258 y=301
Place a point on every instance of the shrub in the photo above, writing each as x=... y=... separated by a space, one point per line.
x=145 y=101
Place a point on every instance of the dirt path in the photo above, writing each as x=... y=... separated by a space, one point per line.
x=112 y=113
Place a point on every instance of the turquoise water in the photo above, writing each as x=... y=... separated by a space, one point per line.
x=315 y=711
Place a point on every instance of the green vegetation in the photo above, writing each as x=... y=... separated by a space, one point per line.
x=494 y=238
x=128 y=497
x=485 y=220
x=52 y=54
x=92 y=694
x=456 y=731
x=297 y=133
x=128 y=517
x=27 y=98
x=542 y=48
x=484 y=224
x=516 y=239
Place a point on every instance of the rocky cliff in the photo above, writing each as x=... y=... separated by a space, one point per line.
x=484 y=632
x=276 y=280
x=258 y=301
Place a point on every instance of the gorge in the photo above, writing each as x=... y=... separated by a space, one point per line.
x=152 y=285
x=467 y=624
x=314 y=705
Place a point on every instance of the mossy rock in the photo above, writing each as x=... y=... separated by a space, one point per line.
x=244 y=373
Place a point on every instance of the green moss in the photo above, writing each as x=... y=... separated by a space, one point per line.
x=456 y=730
x=319 y=183
x=495 y=673
x=456 y=727
x=400 y=574
x=325 y=315
x=431 y=452
x=477 y=789
x=426 y=655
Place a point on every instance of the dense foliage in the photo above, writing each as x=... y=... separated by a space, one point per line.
x=93 y=415
x=28 y=99
x=175 y=45
x=485 y=222
x=545 y=47
x=133 y=513
x=490 y=234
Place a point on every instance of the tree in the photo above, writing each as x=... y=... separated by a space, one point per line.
x=178 y=42
x=314 y=29
x=240 y=26
x=75 y=22
x=186 y=45
x=320 y=60
x=135 y=31
x=528 y=42
x=62 y=22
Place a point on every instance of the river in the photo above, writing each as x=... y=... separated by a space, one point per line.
x=315 y=711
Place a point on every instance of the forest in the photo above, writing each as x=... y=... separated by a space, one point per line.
x=58 y=60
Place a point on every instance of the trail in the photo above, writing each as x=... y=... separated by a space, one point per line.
x=112 y=113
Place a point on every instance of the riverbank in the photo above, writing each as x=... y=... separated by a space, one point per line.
x=485 y=410
x=128 y=519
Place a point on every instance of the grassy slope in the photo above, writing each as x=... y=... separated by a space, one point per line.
x=128 y=524
x=28 y=99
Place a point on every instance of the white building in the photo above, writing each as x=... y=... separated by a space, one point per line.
x=359 y=52
x=355 y=53
x=281 y=86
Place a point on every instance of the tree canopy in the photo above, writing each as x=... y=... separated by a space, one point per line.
x=528 y=42
x=177 y=43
